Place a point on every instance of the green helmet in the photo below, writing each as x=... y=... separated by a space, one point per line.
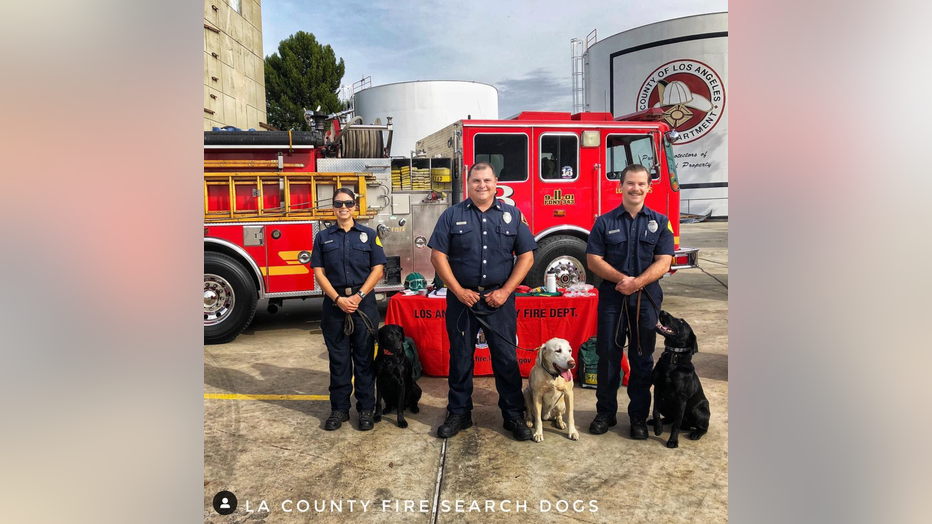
x=415 y=281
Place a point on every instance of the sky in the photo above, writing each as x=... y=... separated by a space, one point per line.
x=522 y=47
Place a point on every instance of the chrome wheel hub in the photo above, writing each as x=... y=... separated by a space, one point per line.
x=569 y=271
x=218 y=299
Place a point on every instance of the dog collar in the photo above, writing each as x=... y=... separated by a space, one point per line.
x=676 y=350
x=554 y=375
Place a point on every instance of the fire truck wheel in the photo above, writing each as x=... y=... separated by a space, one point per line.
x=229 y=298
x=565 y=254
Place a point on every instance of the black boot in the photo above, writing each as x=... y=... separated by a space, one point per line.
x=638 y=430
x=366 y=420
x=518 y=428
x=601 y=423
x=337 y=418
x=453 y=424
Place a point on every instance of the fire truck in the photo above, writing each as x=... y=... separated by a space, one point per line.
x=267 y=194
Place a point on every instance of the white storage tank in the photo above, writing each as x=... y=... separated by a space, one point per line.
x=419 y=108
x=680 y=66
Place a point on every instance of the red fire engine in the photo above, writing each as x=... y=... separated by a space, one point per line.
x=267 y=194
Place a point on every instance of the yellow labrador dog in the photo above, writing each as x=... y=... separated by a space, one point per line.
x=549 y=391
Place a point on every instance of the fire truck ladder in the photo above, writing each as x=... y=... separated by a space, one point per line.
x=262 y=196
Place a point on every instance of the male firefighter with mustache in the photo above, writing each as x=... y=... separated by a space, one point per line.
x=630 y=247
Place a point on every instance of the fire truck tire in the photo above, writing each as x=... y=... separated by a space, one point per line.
x=230 y=298
x=567 y=254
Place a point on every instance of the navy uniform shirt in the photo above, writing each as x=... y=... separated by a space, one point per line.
x=347 y=256
x=628 y=244
x=481 y=246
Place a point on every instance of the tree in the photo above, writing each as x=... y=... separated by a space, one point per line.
x=303 y=74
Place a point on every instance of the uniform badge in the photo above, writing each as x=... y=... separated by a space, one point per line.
x=507 y=217
x=651 y=226
x=363 y=237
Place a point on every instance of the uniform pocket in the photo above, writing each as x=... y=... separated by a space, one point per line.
x=506 y=238
x=461 y=237
x=646 y=246
x=362 y=254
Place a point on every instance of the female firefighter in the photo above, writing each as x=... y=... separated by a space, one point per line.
x=347 y=261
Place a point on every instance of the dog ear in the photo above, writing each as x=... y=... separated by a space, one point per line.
x=540 y=353
x=695 y=341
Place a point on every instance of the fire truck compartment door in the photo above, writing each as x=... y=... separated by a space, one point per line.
x=253 y=235
x=401 y=204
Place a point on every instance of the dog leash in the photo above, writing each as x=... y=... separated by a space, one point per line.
x=349 y=326
x=637 y=317
x=478 y=317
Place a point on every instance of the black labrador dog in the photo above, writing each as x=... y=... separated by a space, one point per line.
x=394 y=376
x=678 y=395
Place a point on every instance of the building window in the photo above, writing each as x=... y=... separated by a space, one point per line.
x=506 y=152
x=622 y=151
x=237 y=5
x=559 y=157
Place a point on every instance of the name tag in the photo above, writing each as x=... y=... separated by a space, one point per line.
x=461 y=223
x=328 y=241
x=613 y=231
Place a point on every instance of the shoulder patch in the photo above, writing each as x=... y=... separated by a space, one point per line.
x=524 y=220
x=670 y=226
x=378 y=241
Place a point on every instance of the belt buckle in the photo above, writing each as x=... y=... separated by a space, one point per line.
x=480 y=288
x=349 y=291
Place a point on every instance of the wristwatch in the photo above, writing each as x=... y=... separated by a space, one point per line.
x=361 y=294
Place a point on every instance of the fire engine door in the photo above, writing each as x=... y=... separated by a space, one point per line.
x=563 y=174
x=289 y=256
x=622 y=149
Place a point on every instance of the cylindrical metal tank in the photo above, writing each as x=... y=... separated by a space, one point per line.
x=423 y=107
x=680 y=66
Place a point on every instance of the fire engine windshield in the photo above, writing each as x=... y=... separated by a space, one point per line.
x=624 y=150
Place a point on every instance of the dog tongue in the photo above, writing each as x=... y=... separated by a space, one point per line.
x=567 y=375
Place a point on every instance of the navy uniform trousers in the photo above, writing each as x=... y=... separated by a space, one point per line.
x=609 y=367
x=350 y=355
x=504 y=356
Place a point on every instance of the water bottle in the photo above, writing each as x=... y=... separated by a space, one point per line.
x=551 y=281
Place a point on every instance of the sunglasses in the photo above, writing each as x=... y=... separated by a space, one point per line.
x=337 y=204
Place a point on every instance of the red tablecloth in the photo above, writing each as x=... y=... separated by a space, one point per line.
x=539 y=320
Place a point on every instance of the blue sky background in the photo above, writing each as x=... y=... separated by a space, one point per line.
x=522 y=47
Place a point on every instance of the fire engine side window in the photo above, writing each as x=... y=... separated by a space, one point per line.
x=559 y=156
x=506 y=152
x=622 y=151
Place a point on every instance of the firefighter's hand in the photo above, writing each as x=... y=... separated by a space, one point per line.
x=467 y=296
x=628 y=285
x=497 y=298
x=346 y=304
x=355 y=299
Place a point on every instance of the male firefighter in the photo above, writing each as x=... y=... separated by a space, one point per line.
x=630 y=247
x=473 y=247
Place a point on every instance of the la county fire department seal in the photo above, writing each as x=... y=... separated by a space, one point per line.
x=691 y=95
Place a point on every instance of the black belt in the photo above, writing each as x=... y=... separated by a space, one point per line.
x=490 y=287
x=349 y=291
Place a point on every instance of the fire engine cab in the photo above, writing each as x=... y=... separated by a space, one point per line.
x=267 y=194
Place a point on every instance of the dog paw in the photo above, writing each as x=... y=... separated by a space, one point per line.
x=415 y=409
x=559 y=424
x=530 y=423
x=402 y=424
x=539 y=437
x=673 y=443
x=377 y=418
x=573 y=435
x=696 y=434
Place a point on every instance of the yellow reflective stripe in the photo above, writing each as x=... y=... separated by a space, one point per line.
x=276 y=271
x=234 y=396
x=378 y=242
